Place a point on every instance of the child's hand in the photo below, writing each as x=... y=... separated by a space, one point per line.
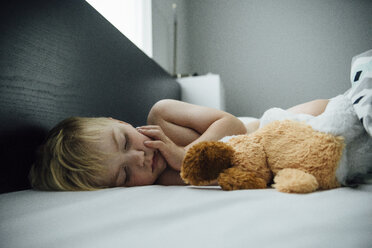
x=172 y=153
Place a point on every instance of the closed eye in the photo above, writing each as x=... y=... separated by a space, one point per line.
x=126 y=144
x=126 y=179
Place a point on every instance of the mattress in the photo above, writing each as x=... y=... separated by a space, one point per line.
x=186 y=216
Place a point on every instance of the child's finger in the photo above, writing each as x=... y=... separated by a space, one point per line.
x=155 y=144
x=149 y=127
x=153 y=133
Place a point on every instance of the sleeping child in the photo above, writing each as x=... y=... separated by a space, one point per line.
x=94 y=153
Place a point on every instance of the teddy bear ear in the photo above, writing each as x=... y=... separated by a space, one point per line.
x=204 y=162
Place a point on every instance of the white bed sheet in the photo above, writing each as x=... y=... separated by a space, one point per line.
x=186 y=216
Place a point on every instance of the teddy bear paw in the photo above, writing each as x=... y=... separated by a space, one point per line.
x=295 y=181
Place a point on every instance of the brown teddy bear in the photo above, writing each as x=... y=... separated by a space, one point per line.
x=289 y=153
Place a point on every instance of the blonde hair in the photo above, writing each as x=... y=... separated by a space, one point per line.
x=68 y=159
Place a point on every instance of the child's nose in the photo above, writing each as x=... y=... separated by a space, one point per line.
x=139 y=158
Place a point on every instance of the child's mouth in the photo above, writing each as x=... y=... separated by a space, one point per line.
x=154 y=161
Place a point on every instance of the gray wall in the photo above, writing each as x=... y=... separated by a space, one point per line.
x=267 y=52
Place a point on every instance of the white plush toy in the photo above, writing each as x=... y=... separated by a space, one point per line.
x=347 y=115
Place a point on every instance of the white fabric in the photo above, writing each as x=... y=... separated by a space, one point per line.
x=361 y=92
x=278 y=114
x=247 y=120
x=186 y=216
x=361 y=67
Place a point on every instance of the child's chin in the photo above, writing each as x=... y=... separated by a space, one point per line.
x=161 y=168
x=161 y=164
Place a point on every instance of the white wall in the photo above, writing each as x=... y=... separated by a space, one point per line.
x=131 y=17
x=268 y=52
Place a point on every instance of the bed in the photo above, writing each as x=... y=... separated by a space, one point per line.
x=61 y=58
x=178 y=216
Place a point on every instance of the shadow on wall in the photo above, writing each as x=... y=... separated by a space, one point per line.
x=18 y=150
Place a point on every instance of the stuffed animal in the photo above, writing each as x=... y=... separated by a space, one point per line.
x=297 y=158
x=297 y=153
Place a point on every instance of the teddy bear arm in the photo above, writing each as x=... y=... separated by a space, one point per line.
x=236 y=178
x=295 y=181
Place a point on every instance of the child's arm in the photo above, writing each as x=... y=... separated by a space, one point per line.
x=186 y=124
x=175 y=126
x=314 y=108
